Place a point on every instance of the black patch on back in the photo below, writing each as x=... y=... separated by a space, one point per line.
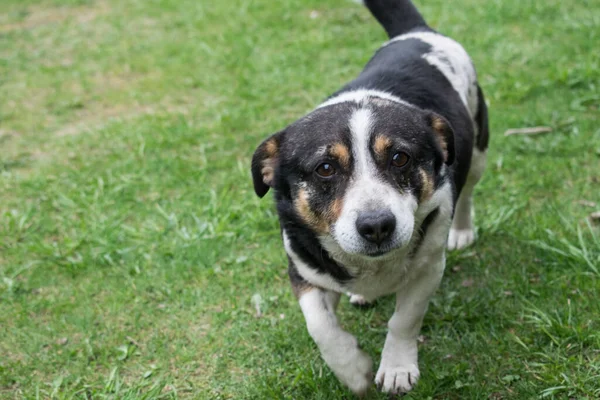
x=399 y=68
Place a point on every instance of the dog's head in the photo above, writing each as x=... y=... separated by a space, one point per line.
x=355 y=172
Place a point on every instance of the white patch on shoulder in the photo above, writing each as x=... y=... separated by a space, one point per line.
x=451 y=59
x=310 y=274
x=360 y=96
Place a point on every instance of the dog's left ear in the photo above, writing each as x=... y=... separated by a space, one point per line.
x=264 y=164
x=444 y=134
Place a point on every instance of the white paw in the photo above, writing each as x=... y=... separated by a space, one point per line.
x=460 y=238
x=351 y=365
x=358 y=300
x=395 y=379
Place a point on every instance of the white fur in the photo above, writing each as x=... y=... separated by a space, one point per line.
x=375 y=277
x=462 y=75
x=367 y=192
x=462 y=232
x=414 y=283
x=361 y=95
x=338 y=348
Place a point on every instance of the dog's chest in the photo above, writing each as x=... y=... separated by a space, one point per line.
x=381 y=278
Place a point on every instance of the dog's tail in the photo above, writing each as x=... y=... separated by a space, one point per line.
x=396 y=16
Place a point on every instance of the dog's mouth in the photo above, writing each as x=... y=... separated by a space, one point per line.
x=377 y=253
x=381 y=251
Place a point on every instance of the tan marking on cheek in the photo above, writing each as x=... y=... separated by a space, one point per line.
x=381 y=146
x=335 y=210
x=427 y=182
x=303 y=209
x=341 y=153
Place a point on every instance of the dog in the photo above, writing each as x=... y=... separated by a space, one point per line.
x=373 y=185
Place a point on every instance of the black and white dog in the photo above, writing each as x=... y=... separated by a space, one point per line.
x=371 y=187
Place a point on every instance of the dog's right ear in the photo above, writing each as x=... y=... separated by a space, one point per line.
x=264 y=164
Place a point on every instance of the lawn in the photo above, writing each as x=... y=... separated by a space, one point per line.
x=134 y=253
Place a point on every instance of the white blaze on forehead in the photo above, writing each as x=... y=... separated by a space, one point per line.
x=361 y=95
x=452 y=60
x=361 y=125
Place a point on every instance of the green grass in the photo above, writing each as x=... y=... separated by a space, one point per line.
x=131 y=243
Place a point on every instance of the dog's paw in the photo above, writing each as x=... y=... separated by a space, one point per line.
x=460 y=238
x=352 y=366
x=357 y=373
x=358 y=300
x=396 y=379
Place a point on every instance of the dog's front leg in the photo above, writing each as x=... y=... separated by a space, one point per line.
x=399 y=368
x=338 y=348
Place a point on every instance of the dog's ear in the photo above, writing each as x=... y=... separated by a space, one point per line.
x=264 y=164
x=444 y=135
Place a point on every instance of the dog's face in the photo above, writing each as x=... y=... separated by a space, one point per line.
x=355 y=173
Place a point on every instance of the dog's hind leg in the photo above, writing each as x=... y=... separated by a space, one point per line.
x=462 y=232
x=358 y=301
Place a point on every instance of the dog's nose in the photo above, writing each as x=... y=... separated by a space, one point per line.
x=376 y=226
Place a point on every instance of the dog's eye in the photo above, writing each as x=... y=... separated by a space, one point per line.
x=400 y=159
x=325 y=170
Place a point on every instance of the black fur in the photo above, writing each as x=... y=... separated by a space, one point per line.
x=398 y=69
x=482 y=121
x=306 y=244
x=396 y=17
x=423 y=230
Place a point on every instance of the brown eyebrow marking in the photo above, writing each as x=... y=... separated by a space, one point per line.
x=341 y=152
x=427 y=180
x=381 y=145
